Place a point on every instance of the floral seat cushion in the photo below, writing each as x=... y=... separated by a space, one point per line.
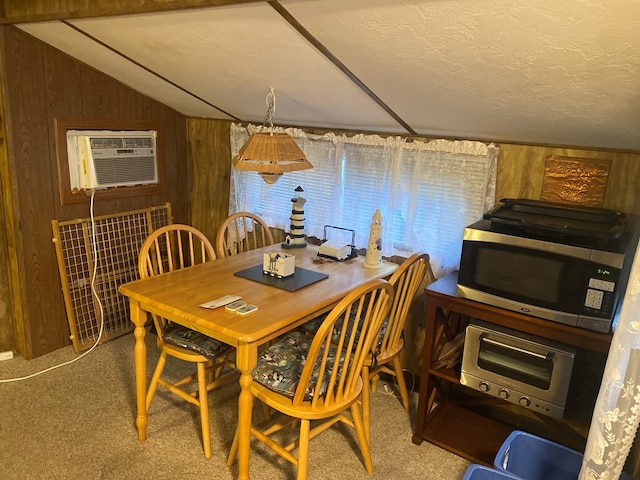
x=183 y=337
x=312 y=326
x=280 y=366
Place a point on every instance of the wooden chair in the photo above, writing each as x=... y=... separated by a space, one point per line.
x=170 y=248
x=240 y=232
x=406 y=281
x=316 y=379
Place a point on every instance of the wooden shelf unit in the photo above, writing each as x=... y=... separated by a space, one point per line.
x=453 y=416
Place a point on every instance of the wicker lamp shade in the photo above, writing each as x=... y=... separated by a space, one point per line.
x=270 y=152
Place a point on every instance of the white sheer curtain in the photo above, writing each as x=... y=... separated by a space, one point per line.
x=427 y=192
x=617 y=411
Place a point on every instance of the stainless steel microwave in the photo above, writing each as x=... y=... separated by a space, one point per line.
x=551 y=279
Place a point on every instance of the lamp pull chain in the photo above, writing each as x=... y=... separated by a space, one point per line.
x=271 y=109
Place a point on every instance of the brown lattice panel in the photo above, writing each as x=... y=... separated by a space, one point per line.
x=114 y=255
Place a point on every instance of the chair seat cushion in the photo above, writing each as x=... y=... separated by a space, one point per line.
x=280 y=366
x=312 y=326
x=183 y=337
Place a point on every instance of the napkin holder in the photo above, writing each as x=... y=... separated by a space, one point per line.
x=338 y=250
x=278 y=264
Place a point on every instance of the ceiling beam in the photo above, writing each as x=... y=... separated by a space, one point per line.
x=140 y=65
x=333 y=59
x=24 y=11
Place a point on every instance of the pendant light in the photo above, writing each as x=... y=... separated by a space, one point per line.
x=270 y=153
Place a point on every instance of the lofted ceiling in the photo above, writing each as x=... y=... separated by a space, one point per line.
x=555 y=72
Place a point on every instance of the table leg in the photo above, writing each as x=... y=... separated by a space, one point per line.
x=139 y=317
x=246 y=358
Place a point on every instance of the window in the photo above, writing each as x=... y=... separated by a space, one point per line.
x=427 y=192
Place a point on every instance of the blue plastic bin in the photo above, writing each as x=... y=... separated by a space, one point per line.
x=529 y=457
x=480 y=472
x=533 y=458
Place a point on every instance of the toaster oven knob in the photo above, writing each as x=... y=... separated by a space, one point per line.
x=503 y=394
x=484 y=387
x=524 y=401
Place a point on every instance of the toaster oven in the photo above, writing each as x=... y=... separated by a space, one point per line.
x=524 y=369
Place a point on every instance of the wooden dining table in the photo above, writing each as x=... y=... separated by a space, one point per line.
x=177 y=296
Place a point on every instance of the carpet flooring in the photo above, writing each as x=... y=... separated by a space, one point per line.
x=77 y=422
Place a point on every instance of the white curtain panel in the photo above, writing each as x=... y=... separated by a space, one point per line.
x=427 y=192
x=617 y=411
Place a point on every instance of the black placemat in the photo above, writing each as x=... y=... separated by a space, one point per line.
x=300 y=279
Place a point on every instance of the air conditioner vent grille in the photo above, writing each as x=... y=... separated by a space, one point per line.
x=121 y=142
x=112 y=170
x=106 y=142
x=138 y=142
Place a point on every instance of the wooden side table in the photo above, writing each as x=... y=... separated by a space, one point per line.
x=447 y=415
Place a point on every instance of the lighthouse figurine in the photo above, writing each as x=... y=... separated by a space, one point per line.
x=374 y=248
x=297 y=237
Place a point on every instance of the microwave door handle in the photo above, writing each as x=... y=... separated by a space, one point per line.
x=517 y=349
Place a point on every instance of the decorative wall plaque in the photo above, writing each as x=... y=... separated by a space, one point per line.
x=575 y=180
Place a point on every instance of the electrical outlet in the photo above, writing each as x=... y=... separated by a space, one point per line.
x=8 y=355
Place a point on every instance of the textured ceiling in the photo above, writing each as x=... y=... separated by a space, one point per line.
x=559 y=72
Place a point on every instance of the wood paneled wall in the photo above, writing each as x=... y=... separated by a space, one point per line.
x=521 y=170
x=41 y=84
x=210 y=153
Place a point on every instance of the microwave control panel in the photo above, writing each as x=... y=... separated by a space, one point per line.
x=600 y=298
x=594 y=299
x=600 y=294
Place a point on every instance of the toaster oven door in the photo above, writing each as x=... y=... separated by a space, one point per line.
x=515 y=360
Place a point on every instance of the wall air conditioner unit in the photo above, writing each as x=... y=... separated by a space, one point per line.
x=106 y=159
